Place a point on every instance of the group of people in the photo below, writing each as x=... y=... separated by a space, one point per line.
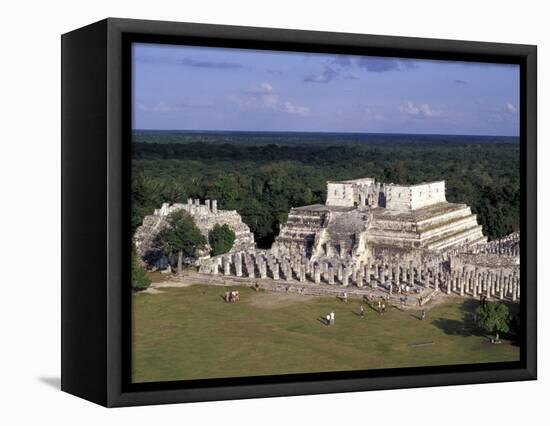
x=232 y=296
x=329 y=318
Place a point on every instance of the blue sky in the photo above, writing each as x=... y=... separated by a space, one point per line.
x=204 y=88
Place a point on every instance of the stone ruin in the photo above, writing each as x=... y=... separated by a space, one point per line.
x=205 y=216
x=380 y=237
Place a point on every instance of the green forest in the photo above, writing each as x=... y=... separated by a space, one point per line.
x=263 y=175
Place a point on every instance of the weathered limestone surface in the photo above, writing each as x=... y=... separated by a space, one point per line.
x=205 y=216
x=361 y=217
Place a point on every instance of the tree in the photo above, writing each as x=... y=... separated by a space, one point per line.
x=140 y=280
x=493 y=317
x=221 y=239
x=181 y=237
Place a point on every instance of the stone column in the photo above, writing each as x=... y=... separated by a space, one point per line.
x=275 y=271
x=250 y=268
x=214 y=266
x=345 y=276
x=226 y=265
x=317 y=273
x=330 y=275
x=360 y=277
x=302 y=273
x=324 y=271
x=238 y=265
x=454 y=280
x=214 y=206
x=263 y=269
x=340 y=272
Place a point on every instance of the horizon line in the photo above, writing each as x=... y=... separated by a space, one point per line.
x=322 y=131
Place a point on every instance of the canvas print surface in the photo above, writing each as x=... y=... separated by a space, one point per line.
x=303 y=212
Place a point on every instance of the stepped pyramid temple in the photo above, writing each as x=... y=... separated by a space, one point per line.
x=362 y=217
x=368 y=237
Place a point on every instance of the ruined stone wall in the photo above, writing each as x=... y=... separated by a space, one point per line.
x=427 y=194
x=340 y=194
x=351 y=193
x=206 y=216
x=412 y=197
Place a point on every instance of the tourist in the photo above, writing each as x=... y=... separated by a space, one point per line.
x=332 y=318
x=362 y=310
x=257 y=287
x=379 y=307
x=423 y=314
x=327 y=317
x=345 y=297
x=383 y=307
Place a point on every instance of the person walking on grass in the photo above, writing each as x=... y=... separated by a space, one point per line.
x=332 y=318
x=423 y=314
x=362 y=310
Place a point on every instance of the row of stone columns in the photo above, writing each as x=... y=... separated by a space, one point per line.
x=466 y=282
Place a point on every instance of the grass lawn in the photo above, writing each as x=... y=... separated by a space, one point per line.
x=191 y=333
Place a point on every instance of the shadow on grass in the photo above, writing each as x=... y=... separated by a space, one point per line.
x=375 y=309
x=465 y=327
x=323 y=321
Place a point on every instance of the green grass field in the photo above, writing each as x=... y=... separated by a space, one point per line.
x=191 y=333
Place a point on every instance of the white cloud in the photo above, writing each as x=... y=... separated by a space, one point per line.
x=267 y=87
x=295 y=109
x=263 y=96
x=422 y=111
x=510 y=108
x=158 y=107
x=164 y=107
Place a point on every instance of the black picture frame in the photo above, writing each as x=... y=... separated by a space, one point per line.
x=96 y=124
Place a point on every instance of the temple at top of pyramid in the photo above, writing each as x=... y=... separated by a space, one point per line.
x=361 y=217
